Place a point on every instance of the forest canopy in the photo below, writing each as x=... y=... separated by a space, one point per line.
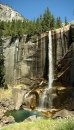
x=43 y=23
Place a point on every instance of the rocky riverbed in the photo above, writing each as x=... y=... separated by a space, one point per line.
x=62 y=102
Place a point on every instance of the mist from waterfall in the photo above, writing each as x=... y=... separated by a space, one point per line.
x=41 y=102
x=50 y=62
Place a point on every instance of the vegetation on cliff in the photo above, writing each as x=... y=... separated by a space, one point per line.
x=17 y=28
x=43 y=23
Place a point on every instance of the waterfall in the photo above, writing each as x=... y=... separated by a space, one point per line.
x=44 y=95
x=50 y=62
x=41 y=102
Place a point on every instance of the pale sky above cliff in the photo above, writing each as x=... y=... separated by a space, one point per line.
x=31 y=9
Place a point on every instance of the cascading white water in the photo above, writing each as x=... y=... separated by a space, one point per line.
x=50 y=62
x=42 y=102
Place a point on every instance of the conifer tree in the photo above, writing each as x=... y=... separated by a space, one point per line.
x=66 y=22
x=46 y=20
x=52 y=23
x=58 y=22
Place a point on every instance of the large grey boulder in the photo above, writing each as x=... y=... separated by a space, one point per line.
x=63 y=113
x=8 y=120
x=7 y=104
x=31 y=118
x=17 y=97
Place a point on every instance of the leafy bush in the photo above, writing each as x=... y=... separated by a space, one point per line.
x=5 y=86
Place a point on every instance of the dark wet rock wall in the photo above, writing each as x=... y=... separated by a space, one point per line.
x=28 y=59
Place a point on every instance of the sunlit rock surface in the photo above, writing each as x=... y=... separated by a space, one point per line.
x=27 y=59
x=8 y=14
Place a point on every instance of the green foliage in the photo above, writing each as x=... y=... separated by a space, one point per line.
x=5 y=86
x=72 y=37
x=66 y=22
x=46 y=20
x=58 y=23
x=42 y=24
x=18 y=28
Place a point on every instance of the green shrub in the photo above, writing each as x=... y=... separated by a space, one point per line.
x=5 y=86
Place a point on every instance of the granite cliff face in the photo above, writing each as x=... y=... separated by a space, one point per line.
x=24 y=60
x=28 y=59
x=66 y=64
x=8 y=14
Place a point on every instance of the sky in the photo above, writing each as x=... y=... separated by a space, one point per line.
x=31 y=9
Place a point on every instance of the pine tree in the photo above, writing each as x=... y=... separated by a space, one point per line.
x=46 y=20
x=43 y=23
x=52 y=23
x=66 y=22
x=58 y=22
x=39 y=25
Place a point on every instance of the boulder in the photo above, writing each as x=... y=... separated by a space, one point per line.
x=8 y=120
x=31 y=118
x=63 y=113
x=6 y=104
x=17 y=95
x=1 y=115
x=33 y=103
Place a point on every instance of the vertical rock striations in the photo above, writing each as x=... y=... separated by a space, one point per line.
x=25 y=60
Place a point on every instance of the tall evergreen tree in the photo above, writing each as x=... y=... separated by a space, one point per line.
x=52 y=23
x=66 y=22
x=58 y=22
x=39 y=25
x=46 y=20
x=42 y=24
